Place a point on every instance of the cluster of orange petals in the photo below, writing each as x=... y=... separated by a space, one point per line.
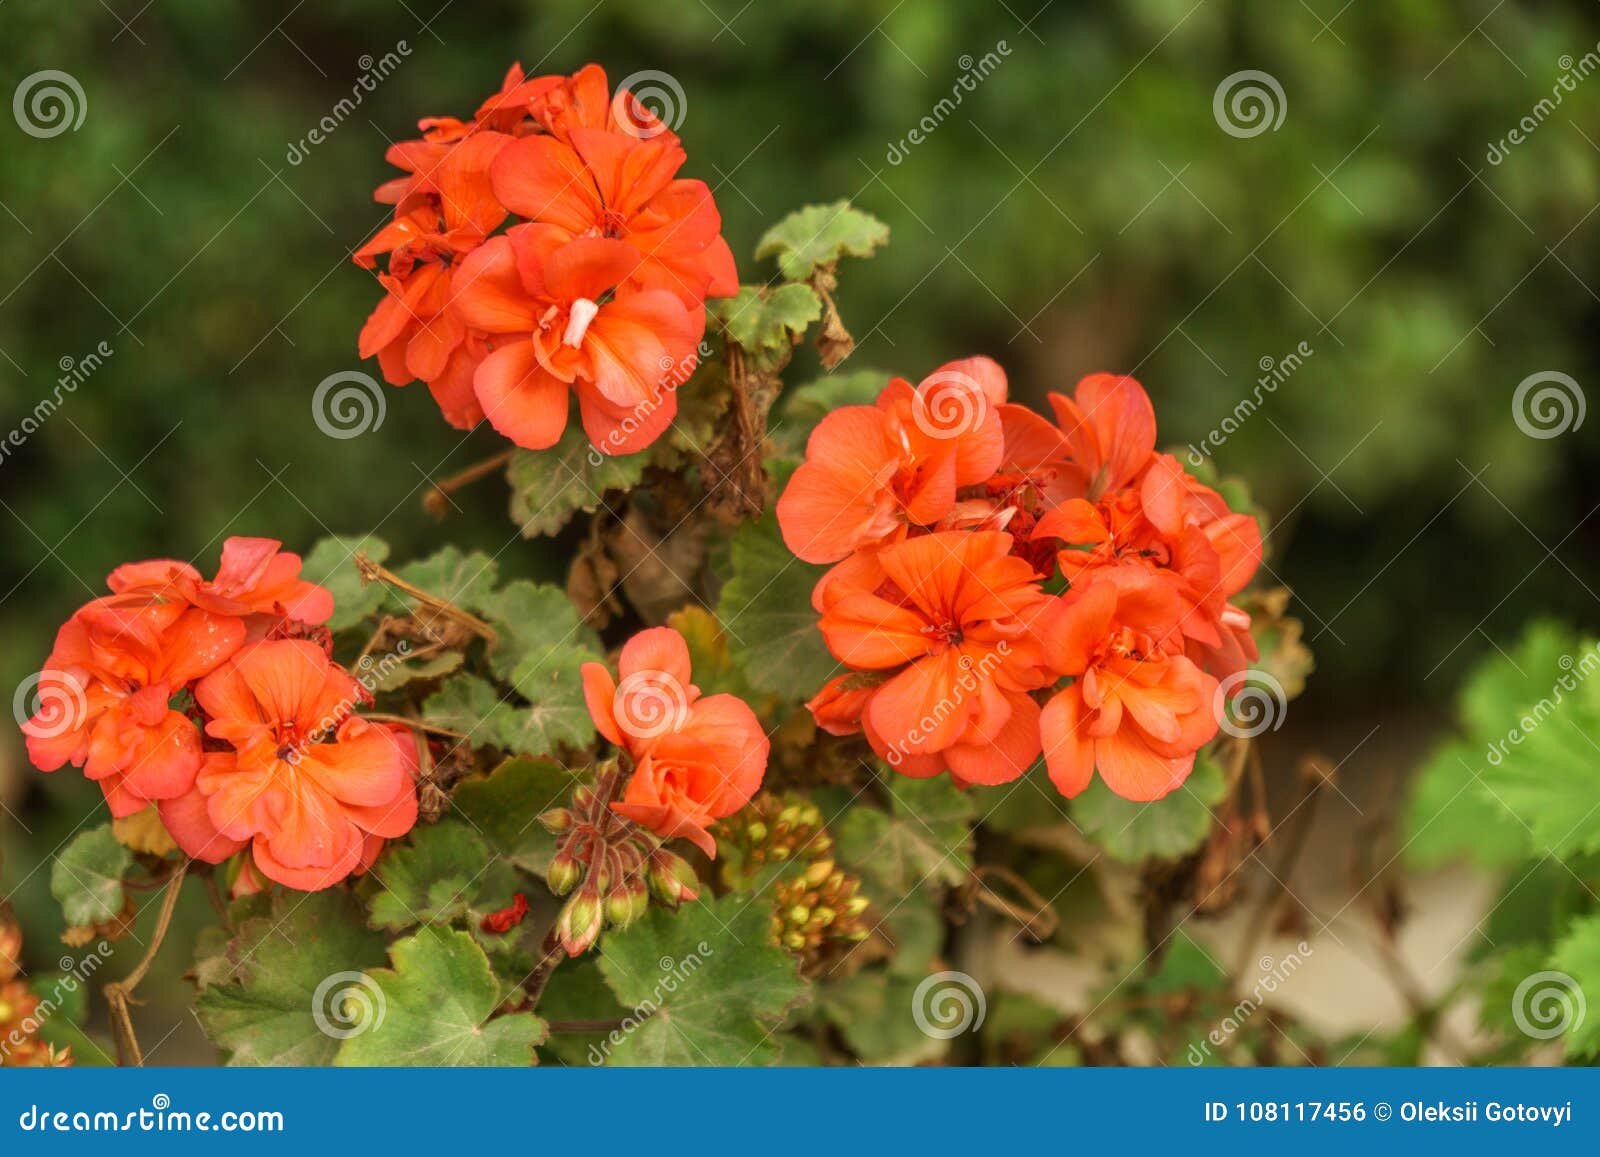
x=696 y=758
x=951 y=515
x=216 y=700
x=597 y=289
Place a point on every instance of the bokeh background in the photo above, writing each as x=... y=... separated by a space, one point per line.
x=1081 y=208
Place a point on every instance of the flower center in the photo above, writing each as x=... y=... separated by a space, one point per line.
x=583 y=311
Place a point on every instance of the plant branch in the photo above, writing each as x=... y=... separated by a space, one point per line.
x=119 y=993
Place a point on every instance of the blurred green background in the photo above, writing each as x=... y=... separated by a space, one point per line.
x=1080 y=209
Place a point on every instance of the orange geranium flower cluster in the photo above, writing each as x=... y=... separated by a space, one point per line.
x=216 y=701
x=952 y=515
x=598 y=289
x=695 y=758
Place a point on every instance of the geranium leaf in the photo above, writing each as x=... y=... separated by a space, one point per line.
x=437 y=1002
x=927 y=835
x=533 y=619
x=549 y=486
x=86 y=877
x=705 y=986
x=433 y=877
x=294 y=974
x=874 y=1014
x=332 y=563
x=820 y=235
x=765 y=610
x=1577 y=959
x=462 y=579
x=1164 y=829
x=503 y=807
x=765 y=320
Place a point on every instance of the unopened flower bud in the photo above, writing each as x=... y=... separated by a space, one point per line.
x=564 y=873
x=672 y=879
x=557 y=820
x=579 y=924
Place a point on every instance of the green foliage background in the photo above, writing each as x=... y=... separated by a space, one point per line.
x=1079 y=210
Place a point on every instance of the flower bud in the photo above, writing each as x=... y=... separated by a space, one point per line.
x=672 y=879
x=579 y=924
x=564 y=873
x=557 y=820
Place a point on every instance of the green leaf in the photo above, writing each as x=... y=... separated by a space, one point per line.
x=927 y=835
x=462 y=579
x=556 y=716
x=765 y=320
x=1577 y=958
x=266 y=1009
x=875 y=1015
x=705 y=986
x=1546 y=766
x=1165 y=829
x=577 y=992
x=504 y=807
x=437 y=1002
x=87 y=877
x=549 y=486
x=820 y=235
x=431 y=878
x=1451 y=816
x=332 y=563
x=434 y=667
x=765 y=609
x=533 y=619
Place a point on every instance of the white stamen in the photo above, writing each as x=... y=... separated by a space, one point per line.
x=582 y=313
